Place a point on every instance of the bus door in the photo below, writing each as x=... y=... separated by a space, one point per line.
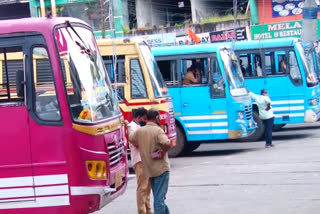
x=15 y=152
x=201 y=114
x=250 y=63
x=284 y=85
x=278 y=84
x=45 y=124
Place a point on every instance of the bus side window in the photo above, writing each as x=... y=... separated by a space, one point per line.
x=197 y=64
x=281 y=63
x=244 y=61
x=45 y=98
x=120 y=93
x=218 y=85
x=270 y=68
x=12 y=71
x=120 y=69
x=294 y=70
x=257 y=63
x=138 y=87
x=169 y=72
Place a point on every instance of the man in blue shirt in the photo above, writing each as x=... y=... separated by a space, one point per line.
x=265 y=114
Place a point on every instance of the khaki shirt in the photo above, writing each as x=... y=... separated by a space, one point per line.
x=150 y=138
x=189 y=79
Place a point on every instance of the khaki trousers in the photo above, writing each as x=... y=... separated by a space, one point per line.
x=143 y=190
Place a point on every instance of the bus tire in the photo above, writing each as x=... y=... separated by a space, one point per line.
x=180 y=146
x=278 y=127
x=191 y=146
x=258 y=133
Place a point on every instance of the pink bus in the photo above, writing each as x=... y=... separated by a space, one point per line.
x=62 y=133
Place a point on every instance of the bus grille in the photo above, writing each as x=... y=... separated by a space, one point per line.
x=115 y=153
x=248 y=111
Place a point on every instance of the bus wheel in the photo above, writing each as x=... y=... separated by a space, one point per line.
x=179 y=147
x=278 y=127
x=191 y=146
x=258 y=133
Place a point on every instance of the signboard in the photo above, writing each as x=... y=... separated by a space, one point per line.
x=204 y=38
x=221 y=36
x=159 y=39
x=284 y=8
x=279 y=30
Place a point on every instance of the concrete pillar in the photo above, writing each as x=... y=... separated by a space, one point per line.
x=42 y=8
x=199 y=10
x=143 y=13
x=254 y=12
x=149 y=14
x=125 y=13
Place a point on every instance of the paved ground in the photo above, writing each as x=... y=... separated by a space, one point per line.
x=243 y=178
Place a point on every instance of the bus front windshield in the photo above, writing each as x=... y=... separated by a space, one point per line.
x=90 y=95
x=158 y=84
x=308 y=65
x=233 y=73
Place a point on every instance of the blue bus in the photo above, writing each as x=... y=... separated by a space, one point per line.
x=283 y=68
x=216 y=108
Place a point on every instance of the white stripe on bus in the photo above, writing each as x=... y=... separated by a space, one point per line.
x=204 y=117
x=280 y=102
x=216 y=131
x=83 y=190
x=288 y=108
x=29 y=191
x=289 y=115
x=213 y=124
x=38 y=180
x=51 y=201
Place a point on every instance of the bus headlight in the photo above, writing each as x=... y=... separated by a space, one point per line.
x=313 y=102
x=96 y=169
x=165 y=128
x=240 y=115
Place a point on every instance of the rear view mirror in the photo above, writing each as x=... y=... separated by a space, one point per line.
x=20 y=83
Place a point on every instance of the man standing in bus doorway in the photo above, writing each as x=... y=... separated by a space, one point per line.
x=265 y=114
x=154 y=144
x=143 y=185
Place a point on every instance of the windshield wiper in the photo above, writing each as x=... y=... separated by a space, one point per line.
x=83 y=46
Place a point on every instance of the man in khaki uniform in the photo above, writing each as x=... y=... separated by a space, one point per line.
x=189 y=77
x=153 y=145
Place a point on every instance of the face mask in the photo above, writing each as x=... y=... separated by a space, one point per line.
x=142 y=123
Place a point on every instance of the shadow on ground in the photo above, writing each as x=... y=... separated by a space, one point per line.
x=218 y=152
x=287 y=137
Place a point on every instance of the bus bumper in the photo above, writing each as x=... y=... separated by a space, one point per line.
x=312 y=115
x=107 y=195
x=245 y=129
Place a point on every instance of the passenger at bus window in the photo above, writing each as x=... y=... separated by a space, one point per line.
x=193 y=76
x=257 y=66
x=282 y=66
x=243 y=70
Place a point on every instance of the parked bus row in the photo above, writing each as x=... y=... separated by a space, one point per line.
x=282 y=66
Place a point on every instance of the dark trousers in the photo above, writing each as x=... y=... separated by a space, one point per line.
x=268 y=125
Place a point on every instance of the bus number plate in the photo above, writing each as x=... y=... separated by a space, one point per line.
x=118 y=179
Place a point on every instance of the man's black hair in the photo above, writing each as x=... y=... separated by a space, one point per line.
x=152 y=114
x=263 y=90
x=140 y=112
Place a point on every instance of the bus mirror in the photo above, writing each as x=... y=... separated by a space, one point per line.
x=20 y=83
